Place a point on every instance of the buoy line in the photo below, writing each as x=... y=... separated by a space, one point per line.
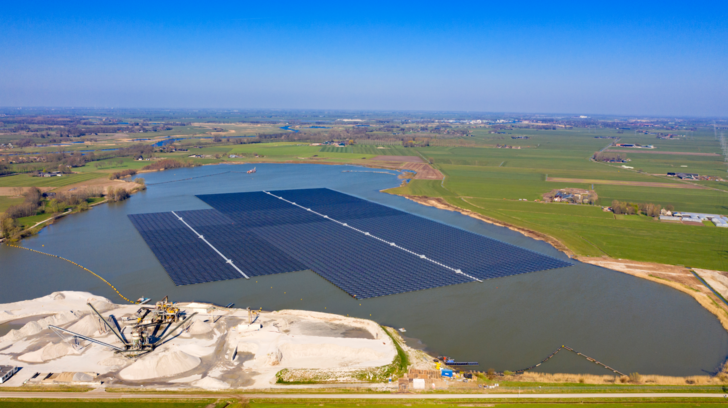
x=80 y=266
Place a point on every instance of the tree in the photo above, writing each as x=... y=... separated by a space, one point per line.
x=8 y=226
x=616 y=207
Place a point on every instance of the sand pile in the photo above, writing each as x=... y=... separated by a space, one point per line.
x=332 y=354
x=82 y=377
x=36 y=327
x=162 y=363
x=113 y=362
x=101 y=304
x=49 y=352
x=210 y=383
x=200 y=328
x=87 y=326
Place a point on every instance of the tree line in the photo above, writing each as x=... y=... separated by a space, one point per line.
x=648 y=209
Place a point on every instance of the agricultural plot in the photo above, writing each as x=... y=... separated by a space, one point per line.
x=7 y=202
x=24 y=180
x=373 y=150
x=490 y=181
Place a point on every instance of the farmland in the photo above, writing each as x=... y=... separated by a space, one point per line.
x=491 y=182
x=485 y=171
x=25 y=180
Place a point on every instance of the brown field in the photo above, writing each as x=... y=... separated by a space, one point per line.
x=17 y=191
x=424 y=171
x=625 y=183
x=653 y=152
x=99 y=183
x=408 y=159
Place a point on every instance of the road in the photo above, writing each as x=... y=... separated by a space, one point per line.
x=98 y=394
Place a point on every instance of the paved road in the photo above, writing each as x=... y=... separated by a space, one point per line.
x=110 y=395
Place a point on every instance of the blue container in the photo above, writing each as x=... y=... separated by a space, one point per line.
x=446 y=372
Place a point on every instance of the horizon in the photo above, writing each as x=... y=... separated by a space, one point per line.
x=643 y=60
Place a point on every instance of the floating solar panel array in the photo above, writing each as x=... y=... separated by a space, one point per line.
x=366 y=249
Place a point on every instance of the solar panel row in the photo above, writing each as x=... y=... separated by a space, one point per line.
x=263 y=235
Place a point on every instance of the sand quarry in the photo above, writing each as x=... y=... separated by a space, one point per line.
x=216 y=349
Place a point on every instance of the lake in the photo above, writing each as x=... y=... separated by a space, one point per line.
x=508 y=323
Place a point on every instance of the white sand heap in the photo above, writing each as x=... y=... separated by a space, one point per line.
x=36 y=327
x=199 y=327
x=49 y=352
x=210 y=383
x=87 y=326
x=165 y=362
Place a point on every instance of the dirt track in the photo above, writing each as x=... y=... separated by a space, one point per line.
x=625 y=183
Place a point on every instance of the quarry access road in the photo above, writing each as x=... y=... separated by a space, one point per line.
x=96 y=395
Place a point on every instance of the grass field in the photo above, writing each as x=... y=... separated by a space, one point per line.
x=372 y=150
x=24 y=180
x=490 y=181
x=110 y=165
x=6 y=202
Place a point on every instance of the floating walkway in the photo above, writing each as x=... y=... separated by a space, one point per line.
x=80 y=266
x=550 y=356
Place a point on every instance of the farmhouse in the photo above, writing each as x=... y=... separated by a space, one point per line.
x=50 y=174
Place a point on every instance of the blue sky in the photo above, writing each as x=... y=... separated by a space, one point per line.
x=641 y=58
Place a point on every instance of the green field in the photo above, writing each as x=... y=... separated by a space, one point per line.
x=372 y=150
x=24 y=180
x=491 y=181
x=110 y=165
x=6 y=202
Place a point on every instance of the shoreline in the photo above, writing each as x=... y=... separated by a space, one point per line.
x=685 y=283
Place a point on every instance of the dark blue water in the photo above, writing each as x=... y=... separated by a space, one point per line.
x=165 y=142
x=289 y=128
x=509 y=323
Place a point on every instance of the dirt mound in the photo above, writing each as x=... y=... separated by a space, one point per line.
x=163 y=363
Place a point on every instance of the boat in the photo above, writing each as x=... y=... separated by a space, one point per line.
x=402 y=330
x=451 y=362
x=251 y=171
x=143 y=300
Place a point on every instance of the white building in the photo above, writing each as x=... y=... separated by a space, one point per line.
x=6 y=372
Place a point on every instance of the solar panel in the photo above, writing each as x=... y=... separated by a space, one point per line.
x=364 y=248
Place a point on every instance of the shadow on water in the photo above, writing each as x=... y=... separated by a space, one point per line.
x=508 y=323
